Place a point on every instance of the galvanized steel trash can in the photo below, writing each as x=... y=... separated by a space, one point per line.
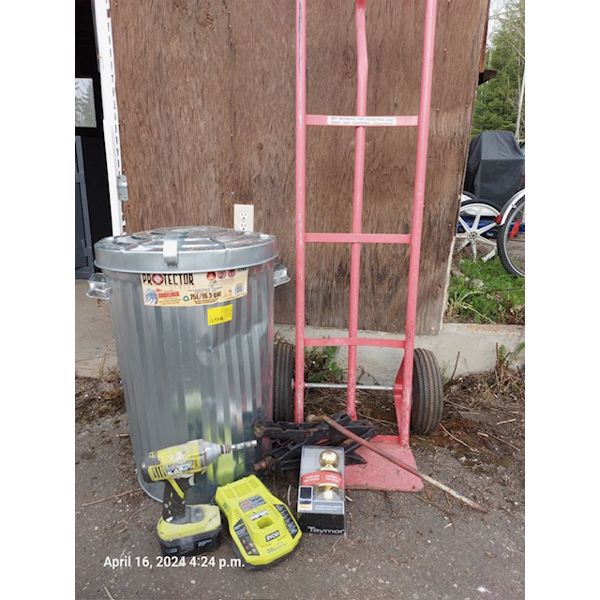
x=192 y=311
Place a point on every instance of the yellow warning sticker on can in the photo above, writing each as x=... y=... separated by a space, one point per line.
x=220 y=314
x=193 y=289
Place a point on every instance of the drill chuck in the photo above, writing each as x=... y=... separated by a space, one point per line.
x=243 y=445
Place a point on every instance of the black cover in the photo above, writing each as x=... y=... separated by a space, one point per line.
x=495 y=167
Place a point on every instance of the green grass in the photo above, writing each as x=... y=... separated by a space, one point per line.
x=485 y=293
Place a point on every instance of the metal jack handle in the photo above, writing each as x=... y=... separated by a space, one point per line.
x=377 y=449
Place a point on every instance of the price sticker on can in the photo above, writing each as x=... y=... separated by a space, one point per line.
x=220 y=314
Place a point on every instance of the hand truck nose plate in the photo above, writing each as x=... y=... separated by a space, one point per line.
x=380 y=474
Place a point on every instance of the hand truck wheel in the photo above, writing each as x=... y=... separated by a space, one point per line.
x=283 y=381
x=427 y=393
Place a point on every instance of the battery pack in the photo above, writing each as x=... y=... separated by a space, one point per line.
x=193 y=537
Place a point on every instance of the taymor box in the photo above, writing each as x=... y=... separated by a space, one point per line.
x=321 y=498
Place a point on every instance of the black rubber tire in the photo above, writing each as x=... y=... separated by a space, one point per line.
x=283 y=381
x=502 y=237
x=427 y=394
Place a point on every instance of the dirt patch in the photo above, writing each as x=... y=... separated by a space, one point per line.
x=484 y=416
x=426 y=544
x=96 y=398
x=483 y=423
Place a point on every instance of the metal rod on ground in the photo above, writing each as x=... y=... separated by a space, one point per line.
x=396 y=461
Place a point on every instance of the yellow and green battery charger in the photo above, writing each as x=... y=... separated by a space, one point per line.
x=261 y=526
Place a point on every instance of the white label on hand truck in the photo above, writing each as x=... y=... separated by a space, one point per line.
x=362 y=121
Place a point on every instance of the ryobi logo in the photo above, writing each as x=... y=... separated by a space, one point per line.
x=271 y=536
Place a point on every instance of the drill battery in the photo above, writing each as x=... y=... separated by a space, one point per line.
x=191 y=524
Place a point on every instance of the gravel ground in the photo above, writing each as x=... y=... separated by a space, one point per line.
x=414 y=546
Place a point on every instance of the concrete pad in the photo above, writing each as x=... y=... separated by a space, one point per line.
x=94 y=343
x=475 y=345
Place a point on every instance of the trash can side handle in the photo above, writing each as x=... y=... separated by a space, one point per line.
x=100 y=287
x=280 y=274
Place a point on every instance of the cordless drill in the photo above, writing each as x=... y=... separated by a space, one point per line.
x=189 y=522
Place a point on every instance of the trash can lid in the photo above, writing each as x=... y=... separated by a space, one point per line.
x=193 y=249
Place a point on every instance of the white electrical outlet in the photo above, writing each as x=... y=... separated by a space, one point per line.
x=243 y=217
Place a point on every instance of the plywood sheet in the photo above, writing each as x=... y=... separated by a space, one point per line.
x=206 y=102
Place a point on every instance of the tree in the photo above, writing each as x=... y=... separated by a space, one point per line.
x=500 y=102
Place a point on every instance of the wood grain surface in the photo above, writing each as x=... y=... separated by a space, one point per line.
x=206 y=103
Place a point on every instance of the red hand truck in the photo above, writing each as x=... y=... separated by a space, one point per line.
x=377 y=473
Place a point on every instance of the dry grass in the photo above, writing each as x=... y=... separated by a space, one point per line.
x=487 y=410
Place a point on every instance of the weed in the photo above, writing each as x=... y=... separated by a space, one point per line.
x=320 y=366
x=485 y=293
x=504 y=358
x=505 y=362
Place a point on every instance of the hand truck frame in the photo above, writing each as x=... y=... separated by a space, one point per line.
x=377 y=473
